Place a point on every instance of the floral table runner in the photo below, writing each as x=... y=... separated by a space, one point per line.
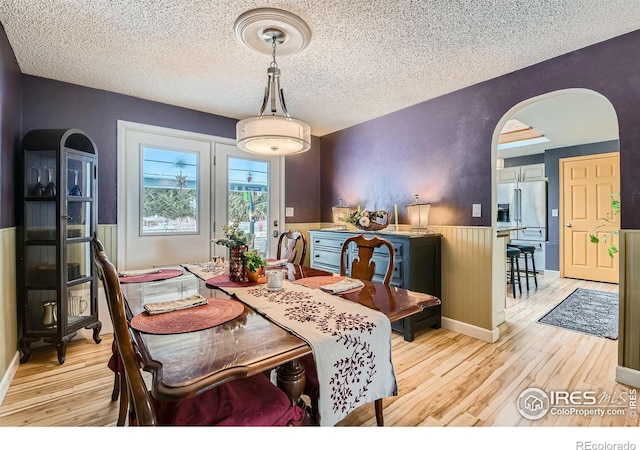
x=205 y=270
x=351 y=343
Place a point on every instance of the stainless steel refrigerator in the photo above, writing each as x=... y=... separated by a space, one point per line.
x=524 y=205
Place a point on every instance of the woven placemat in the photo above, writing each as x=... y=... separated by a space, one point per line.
x=217 y=311
x=163 y=274
x=318 y=282
x=222 y=281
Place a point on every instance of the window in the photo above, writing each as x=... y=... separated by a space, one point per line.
x=169 y=203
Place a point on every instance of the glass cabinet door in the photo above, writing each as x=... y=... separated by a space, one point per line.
x=78 y=198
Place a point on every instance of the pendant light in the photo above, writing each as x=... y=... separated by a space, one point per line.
x=271 y=133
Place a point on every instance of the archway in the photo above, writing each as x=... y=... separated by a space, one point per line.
x=574 y=120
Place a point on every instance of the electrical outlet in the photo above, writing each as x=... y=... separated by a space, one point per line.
x=554 y=213
x=288 y=211
x=476 y=210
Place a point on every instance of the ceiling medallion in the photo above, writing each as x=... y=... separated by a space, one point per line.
x=275 y=134
x=251 y=25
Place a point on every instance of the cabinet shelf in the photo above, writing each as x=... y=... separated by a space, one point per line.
x=57 y=280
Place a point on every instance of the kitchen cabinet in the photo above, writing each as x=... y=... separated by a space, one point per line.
x=516 y=174
x=57 y=280
x=417 y=267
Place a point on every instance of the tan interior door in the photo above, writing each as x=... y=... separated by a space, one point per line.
x=587 y=183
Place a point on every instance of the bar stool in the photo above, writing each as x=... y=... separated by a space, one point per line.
x=513 y=273
x=527 y=251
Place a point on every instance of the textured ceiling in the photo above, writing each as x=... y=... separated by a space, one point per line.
x=365 y=58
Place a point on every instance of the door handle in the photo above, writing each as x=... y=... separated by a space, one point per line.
x=569 y=225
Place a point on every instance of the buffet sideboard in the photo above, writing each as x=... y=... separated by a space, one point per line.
x=417 y=267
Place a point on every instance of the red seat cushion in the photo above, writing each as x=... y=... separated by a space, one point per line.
x=115 y=362
x=253 y=401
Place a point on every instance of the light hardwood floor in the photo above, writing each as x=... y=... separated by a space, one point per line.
x=444 y=378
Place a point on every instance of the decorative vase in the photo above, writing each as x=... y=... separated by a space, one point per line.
x=236 y=263
x=257 y=276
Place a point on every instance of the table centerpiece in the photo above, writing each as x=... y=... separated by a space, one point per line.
x=236 y=241
x=369 y=220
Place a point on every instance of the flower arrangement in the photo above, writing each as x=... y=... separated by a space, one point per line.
x=234 y=236
x=254 y=260
x=369 y=220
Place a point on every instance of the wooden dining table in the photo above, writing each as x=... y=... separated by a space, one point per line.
x=186 y=364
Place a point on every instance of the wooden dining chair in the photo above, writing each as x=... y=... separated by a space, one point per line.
x=252 y=401
x=288 y=246
x=363 y=267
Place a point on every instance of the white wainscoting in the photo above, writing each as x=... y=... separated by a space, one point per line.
x=629 y=294
x=467 y=266
x=9 y=356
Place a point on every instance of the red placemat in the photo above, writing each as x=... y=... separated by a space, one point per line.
x=163 y=274
x=215 y=312
x=222 y=280
x=318 y=282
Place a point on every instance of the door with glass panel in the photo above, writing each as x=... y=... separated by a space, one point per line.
x=178 y=189
x=167 y=201
x=248 y=194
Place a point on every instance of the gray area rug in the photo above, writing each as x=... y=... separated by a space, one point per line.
x=587 y=311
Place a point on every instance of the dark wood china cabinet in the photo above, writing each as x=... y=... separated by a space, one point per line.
x=57 y=281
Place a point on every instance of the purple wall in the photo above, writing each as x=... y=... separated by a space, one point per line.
x=52 y=104
x=441 y=148
x=302 y=184
x=10 y=115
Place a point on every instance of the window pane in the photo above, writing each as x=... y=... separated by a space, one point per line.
x=170 y=191
x=249 y=199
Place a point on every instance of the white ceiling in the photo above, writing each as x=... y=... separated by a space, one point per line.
x=365 y=58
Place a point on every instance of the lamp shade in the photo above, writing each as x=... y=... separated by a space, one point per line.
x=273 y=135
x=340 y=211
x=419 y=215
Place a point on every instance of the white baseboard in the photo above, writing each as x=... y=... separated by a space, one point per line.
x=552 y=273
x=483 y=334
x=628 y=376
x=8 y=376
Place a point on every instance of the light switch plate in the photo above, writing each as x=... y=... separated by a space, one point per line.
x=554 y=213
x=476 y=210
x=288 y=211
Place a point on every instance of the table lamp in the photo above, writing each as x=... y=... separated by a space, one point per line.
x=419 y=215
x=340 y=212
